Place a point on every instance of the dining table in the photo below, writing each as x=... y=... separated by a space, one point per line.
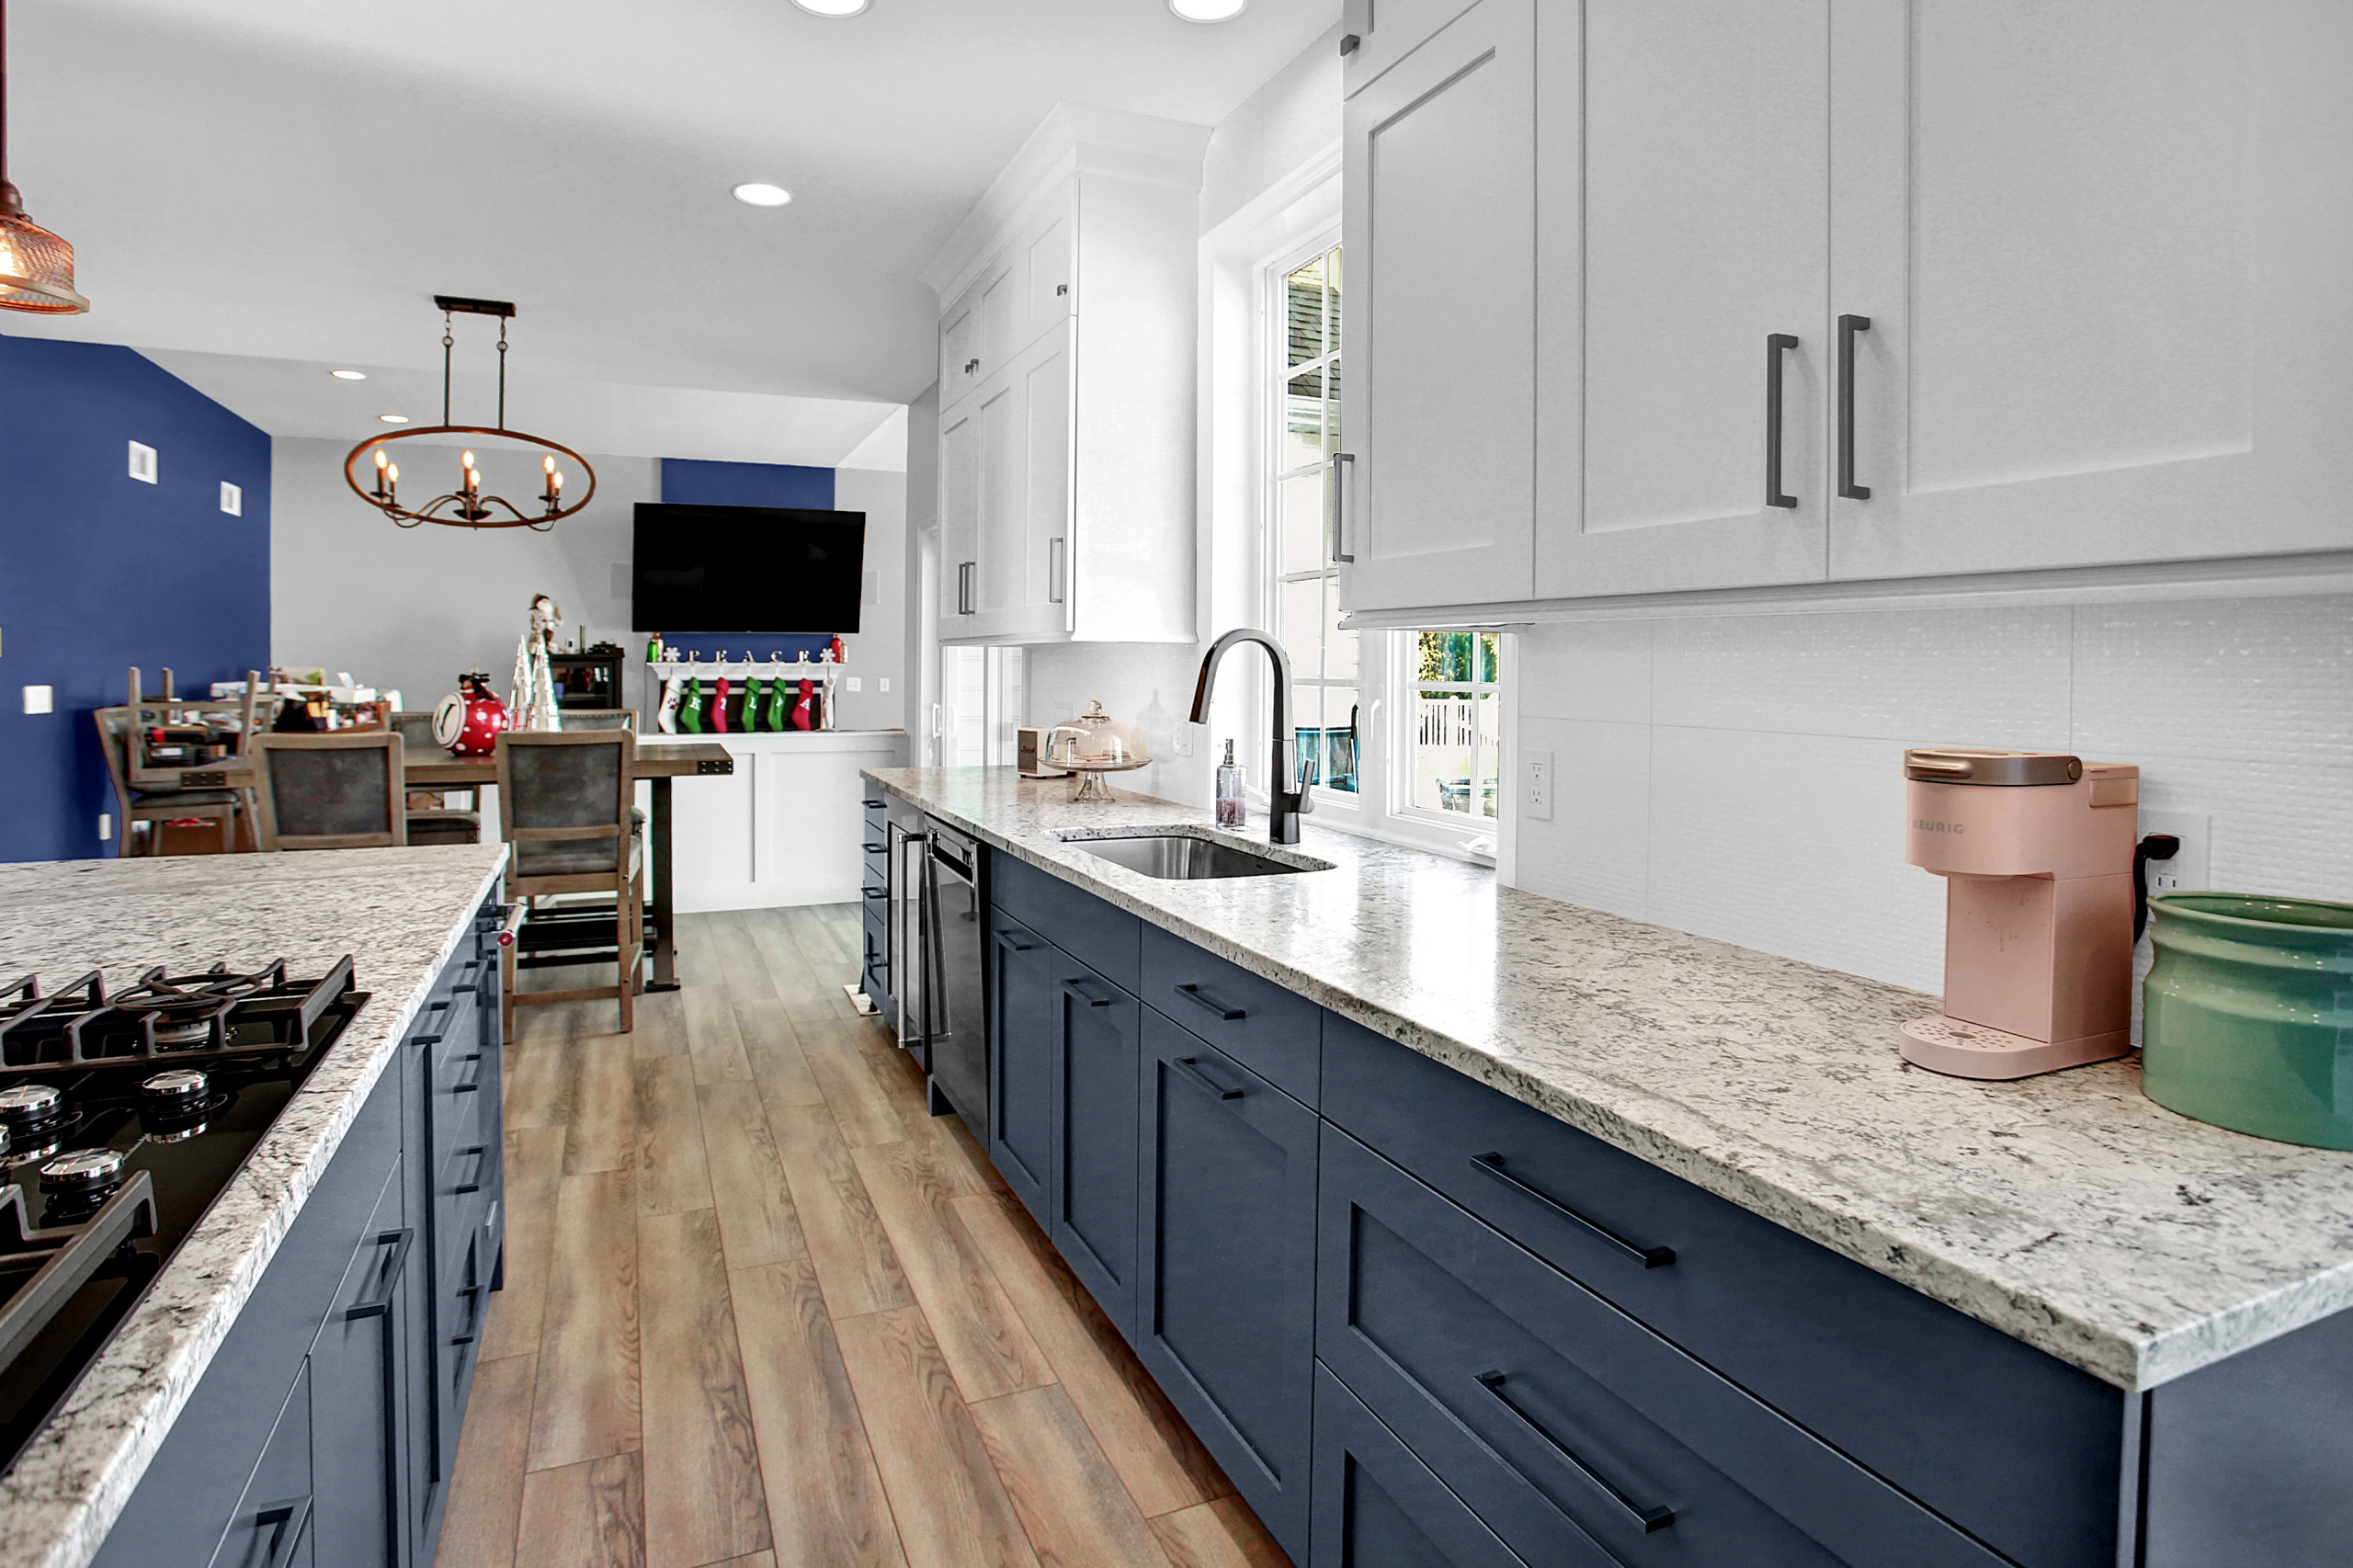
x=657 y=761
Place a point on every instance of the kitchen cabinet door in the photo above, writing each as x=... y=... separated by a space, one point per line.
x=1684 y=155
x=1435 y=489
x=274 y=1524
x=960 y=513
x=1020 y=585
x=2101 y=246
x=1378 y=1506
x=360 y=1372
x=1021 y=1003
x=1042 y=270
x=1098 y=1044
x=960 y=357
x=1225 y=1314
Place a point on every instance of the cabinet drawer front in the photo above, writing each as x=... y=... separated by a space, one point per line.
x=1097 y=1041
x=1378 y=1506
x=1097 y=934
x=2019 y=1448
x=1271 y=1031
x=1226 y=1282
x=1557 y=1417
x=272 y=1526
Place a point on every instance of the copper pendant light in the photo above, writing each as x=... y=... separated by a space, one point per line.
x=467 y=507
x=36 y=266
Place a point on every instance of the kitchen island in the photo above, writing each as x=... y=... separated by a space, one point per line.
x=2068 y=1213
x=406 y=916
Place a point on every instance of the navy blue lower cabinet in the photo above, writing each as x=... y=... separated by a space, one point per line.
x=1561 y=1421
x=1378 y=1506
x=1021 y=1005
x=1097 y=1043
x=1226 y=1275
x=274 y=1524
x=359 y=1378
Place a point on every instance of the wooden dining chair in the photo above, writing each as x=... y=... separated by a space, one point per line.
x=156 y=807
x=329 y=791
x=564 y=806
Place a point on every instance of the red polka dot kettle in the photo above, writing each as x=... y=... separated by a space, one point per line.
x=469 y=720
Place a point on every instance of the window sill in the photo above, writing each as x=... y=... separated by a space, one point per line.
x=1431 y=838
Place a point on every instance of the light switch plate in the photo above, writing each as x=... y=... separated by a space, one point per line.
x=883 y=683
x=1536 y=785
x=856 y=683
x=233 y=499
x=41 y=700
x=142 y=463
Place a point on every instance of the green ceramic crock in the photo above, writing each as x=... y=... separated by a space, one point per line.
x=2247 y=1016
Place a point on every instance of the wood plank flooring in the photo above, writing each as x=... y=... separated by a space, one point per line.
x=762 y=1311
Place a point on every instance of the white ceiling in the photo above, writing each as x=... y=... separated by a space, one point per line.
x=291 y=180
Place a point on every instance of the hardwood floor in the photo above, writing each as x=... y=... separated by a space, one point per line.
x=762 y=1311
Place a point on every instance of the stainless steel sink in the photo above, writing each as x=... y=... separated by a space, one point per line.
x=1183 y=857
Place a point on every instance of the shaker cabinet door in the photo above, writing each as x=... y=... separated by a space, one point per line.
x=1097 y=1042
x=1435 y=493
x=1683 y=198
x=1226 y=1300
x=1021 y=1061
x=360 y=1368
x=2102 y=247
x=960 y=513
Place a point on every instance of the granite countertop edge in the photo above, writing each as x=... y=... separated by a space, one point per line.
x=1660 y=1132
x=72 y=1482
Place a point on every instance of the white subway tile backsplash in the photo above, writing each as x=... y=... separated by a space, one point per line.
x=1793 y=843
x=1924 y=677
x=2245 y=680
x=1596 y=849
x=1769 y=748
x=1598 y=670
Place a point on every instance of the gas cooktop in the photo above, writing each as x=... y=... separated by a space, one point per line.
x=122 y=1116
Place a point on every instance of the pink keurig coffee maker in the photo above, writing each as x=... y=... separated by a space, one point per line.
x=2035 y=850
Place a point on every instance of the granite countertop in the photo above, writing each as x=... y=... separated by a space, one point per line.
x=400 y=914
x=2067 y=1210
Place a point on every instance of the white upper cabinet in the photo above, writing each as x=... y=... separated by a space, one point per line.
x=1066 y=465
x=1682 y=352
x=2087 y=260
x=1435 y=491
x=2103 y=246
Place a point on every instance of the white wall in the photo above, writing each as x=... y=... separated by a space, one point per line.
x=414 y=608
x=877 y=652
x=1741 y=777
x=1290 y=118
x=1150 y=685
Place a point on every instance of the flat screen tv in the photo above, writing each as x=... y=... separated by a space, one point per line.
x=782 y=568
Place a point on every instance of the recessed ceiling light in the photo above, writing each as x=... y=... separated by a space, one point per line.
x=1207 y=10
x=349 y=375
x=832 y=7
x=759 y=193
x=393 y=418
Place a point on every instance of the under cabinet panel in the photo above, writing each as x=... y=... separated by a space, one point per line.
x=1559 y=1420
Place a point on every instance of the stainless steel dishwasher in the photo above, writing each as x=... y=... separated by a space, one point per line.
x=952 y=986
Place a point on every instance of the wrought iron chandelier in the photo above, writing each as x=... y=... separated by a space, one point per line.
x=36 y=266
x=467 y=507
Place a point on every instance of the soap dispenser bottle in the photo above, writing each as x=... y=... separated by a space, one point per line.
x=1230 y=809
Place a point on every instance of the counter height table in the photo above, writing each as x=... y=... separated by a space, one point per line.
x=659 y=761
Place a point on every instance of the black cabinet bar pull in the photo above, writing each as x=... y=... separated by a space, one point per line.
x=1188 y=1066
x=876 y=893
x=472 y=1084
x=1653 y=1517
x=382 y=1304
x=1775 y=343
x=876 y=848
x=1076 y=990
x=477 y=1151
x=1847 y=327
x=873 y=802
x=287 y=1524
x=1200 y=998
x=1649 y=1257
x=1005 y=939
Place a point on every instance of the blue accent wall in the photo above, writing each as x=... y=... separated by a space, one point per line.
x=691 y=482
x=99 y=570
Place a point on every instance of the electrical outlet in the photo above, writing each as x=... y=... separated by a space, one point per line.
x=883 y=683
x=1536 y=785
x=41 y=700
x=856 y=683
x=1185 y=738
x=2187 y=871
x=106 y=826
